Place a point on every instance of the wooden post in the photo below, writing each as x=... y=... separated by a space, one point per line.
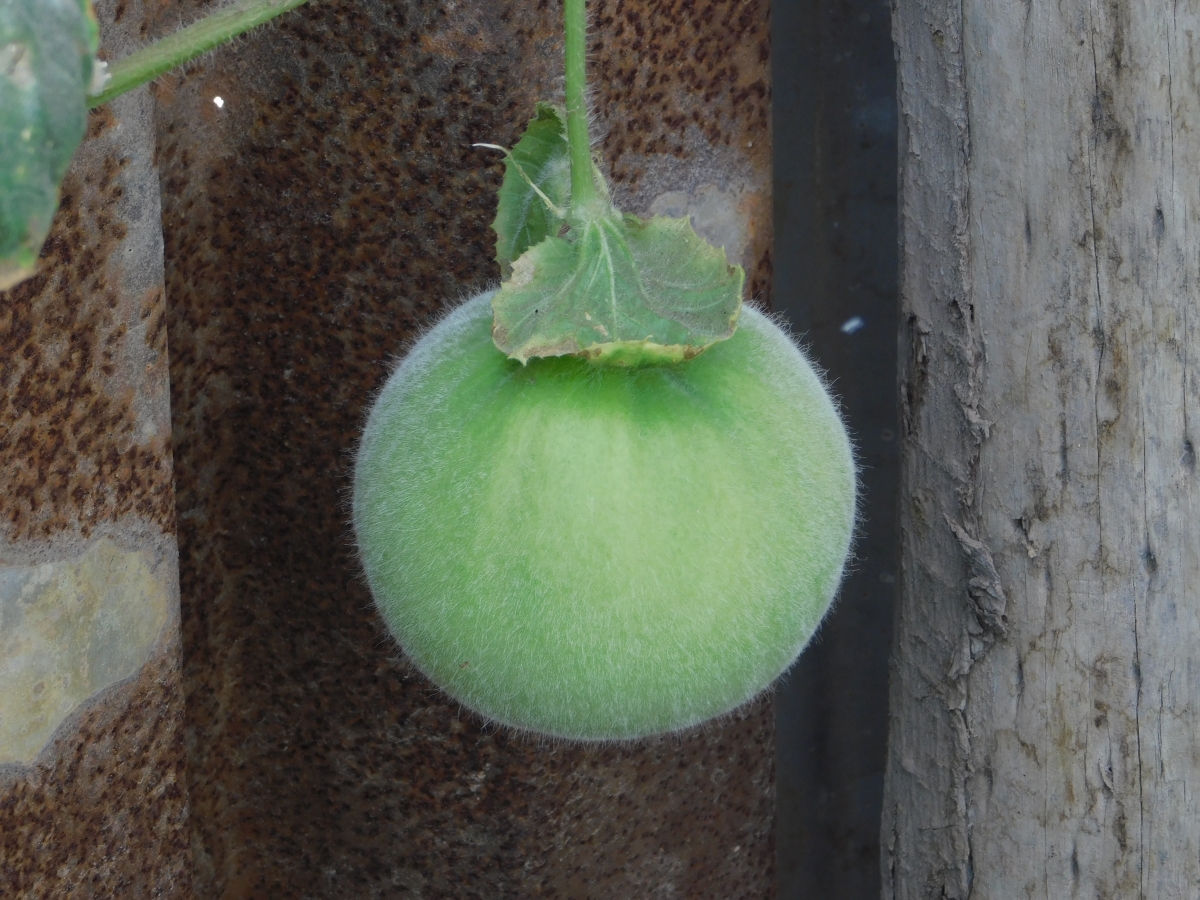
x=1044 y=686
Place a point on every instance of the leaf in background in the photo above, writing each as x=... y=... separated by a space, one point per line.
x=91 y=31
x=522 y=218
x=620 y=291
x=47 y=49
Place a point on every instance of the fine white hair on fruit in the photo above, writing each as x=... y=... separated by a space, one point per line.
x=603 y=555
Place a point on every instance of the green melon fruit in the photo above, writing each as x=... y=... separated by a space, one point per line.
x=601 y=553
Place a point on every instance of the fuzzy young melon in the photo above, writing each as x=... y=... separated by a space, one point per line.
x=603 y=553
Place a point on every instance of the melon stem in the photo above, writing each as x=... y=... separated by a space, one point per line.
x=583 y=186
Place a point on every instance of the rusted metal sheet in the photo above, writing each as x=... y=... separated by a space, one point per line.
x=92 y=756
x=328 y=208
x=683 y=97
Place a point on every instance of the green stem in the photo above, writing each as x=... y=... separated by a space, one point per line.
x=583 y=187
x=211 y=31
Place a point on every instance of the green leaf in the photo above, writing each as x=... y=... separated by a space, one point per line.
x=582 y=279
x=621 y=291
x=540 y=161
x=91 y=30
x=46 y=57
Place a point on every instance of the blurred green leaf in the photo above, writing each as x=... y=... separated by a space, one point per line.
x=47 y=49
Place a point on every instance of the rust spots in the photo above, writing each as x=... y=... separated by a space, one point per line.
x=100 y=120
x=687 y=79
x=75 y=451
x=103 y=810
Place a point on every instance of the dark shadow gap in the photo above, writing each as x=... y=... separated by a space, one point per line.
x=835 y=279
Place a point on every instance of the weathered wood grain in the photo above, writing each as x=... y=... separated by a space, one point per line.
x=1044 y=684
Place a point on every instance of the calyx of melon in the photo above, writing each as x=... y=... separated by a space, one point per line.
x=582 y=278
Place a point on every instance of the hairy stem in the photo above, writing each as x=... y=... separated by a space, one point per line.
x=583 y=186
x=210 y=32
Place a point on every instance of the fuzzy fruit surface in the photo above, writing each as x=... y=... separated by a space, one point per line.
x=603 y=553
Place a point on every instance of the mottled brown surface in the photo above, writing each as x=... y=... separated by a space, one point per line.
x=85 y=453
x=683 y=98
x=312 y=224
x=84 y=426
x=103 y=811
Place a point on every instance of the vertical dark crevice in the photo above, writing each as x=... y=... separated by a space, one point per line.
x=835 y=279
